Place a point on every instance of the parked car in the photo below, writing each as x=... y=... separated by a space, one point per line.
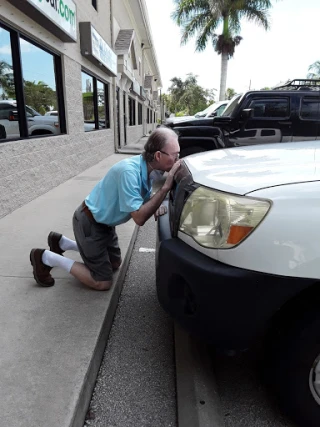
x=37 y=124
x=214 y=110
x=174 y=119
x=52 y=113
x=287 y=113
x=238 y=260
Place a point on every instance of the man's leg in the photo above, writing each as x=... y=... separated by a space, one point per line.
x=113 y=249
x=92 y=243
x=81 y=272
x=92 y=240
x=59 y=243
x=43 y=260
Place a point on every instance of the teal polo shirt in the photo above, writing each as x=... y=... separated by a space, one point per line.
x=124 y=189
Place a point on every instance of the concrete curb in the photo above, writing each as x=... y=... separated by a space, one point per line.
x=93 y=369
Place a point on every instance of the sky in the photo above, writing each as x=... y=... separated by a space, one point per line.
x=263 y=58
x=37 y=65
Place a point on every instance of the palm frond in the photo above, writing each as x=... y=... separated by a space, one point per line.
x=315 y=66
x=201 y=26
x=260 y=17
x=200 y=19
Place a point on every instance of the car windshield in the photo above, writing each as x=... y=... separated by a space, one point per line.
x=206 y=111
x=231 y=106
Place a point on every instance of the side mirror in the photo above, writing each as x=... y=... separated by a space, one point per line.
x=214 y=114
x=13 y=116
x=246 y=113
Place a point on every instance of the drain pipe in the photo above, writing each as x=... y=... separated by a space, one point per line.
x=114 y=86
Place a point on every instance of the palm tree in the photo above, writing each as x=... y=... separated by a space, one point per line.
x=201 y=18
x=6 y=78
x=230 y=93
x=187 y=95
x=314 y=70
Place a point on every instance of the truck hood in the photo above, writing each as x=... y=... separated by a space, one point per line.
x=44 y=119
x=242 y=170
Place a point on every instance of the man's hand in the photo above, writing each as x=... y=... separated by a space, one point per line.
x=170 y=177
x=162 y=210
x=150 y=208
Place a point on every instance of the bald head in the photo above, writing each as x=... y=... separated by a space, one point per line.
x=157 y=141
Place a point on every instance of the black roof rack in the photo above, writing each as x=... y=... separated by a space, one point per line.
x=300 y=84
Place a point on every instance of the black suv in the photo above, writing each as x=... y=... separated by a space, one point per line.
x=286 y=113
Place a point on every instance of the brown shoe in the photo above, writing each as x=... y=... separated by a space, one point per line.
x=53 y=242
x=41 y=272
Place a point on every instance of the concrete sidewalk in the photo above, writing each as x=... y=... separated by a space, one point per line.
x=133 y=148
x=52 y=339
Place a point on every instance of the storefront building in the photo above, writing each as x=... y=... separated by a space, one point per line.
x=78 y=80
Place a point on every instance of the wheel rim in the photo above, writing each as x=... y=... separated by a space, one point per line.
x=314 y=380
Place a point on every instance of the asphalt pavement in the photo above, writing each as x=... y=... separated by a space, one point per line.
x=245 y=402
x=136 y=381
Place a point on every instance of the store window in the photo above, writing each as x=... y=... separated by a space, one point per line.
x=139 y=113
x=132 y=111
x=95 y=101
x=103 y=105
x=30 y=104
x=39 y=88
x=9 y=129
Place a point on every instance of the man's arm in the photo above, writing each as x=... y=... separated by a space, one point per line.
x=148 y=209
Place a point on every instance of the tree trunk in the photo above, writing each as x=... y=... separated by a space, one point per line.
x=223 y=76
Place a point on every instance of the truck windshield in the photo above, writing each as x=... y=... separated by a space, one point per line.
x=231 y=106
x=31 y=111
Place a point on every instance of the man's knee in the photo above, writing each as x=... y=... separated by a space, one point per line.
x=103 y=285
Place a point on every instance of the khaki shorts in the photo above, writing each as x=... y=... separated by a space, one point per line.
x=98 y=245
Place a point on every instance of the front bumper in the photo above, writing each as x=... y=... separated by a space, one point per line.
x=225 y=305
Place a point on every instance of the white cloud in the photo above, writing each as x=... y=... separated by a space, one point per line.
x=25 y=47
x=5 y=50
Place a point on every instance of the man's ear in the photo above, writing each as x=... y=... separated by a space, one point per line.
x=157 y=155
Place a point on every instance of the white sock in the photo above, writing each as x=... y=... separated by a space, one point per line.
x=68 y=244
x=54 y=260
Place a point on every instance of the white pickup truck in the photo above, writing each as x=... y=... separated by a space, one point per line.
x=37 y=124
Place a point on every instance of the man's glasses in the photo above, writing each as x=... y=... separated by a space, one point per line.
x=174 y=155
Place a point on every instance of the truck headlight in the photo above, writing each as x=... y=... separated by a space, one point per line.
x=221 y=220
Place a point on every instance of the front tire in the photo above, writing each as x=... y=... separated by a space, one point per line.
x=293 y=368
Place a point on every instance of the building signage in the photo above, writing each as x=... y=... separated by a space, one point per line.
x=61 y=14
x=102 y=51
x=135 y=87
x=143 y=94
x=95 y=48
